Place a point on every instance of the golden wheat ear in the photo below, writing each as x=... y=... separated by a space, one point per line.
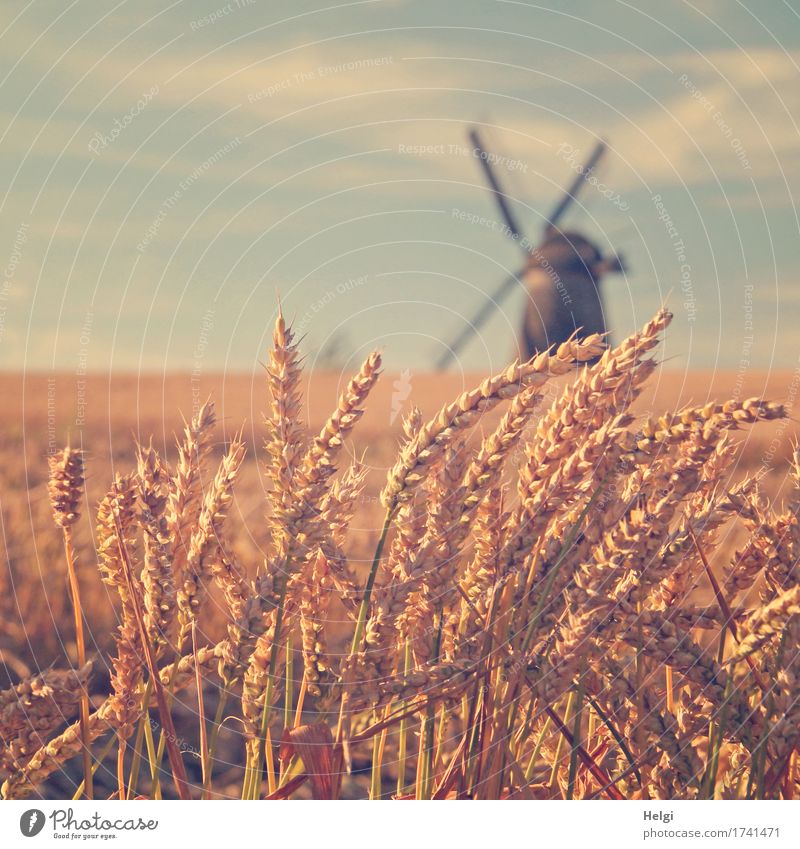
x=66 y=491
x=183 y=504
x=526 y=624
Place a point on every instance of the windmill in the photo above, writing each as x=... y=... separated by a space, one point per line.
x=561 y=274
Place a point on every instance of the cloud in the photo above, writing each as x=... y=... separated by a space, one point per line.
x=679 y=118
x=729 y=117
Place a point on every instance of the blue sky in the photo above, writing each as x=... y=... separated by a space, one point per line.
x=168 y=168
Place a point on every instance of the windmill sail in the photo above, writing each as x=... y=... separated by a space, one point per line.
x=510 y=283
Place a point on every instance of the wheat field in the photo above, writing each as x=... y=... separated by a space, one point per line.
x=575 y=580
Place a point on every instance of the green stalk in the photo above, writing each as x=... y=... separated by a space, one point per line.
x=427 y=752
x=257 y=767
x=620 y=740
x=155 y=765
x=478 y=706
x=759 y=756
x=560 y=745
x=576 y=740
x=144 y=719
x=373 y=572
x=430 y=718
x=157 y=757
x=375 y=771
x=422 y=762
x=537 y=749
x=717 y=736
x=474 y=729
x=403 y=732
x=96 y=765
x=289 y=694
x=215 y=729
x=154 y=759
x=518 y=741
x=247 y=782
x=549 y=581
x=344 y=714
x=201 y=713
x=133 y=775
x=80 y=645
x=440 y=734
x=716 y=731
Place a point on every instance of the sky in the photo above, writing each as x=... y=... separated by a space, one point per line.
x=169 y=170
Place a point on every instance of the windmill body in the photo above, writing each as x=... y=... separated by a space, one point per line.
x=562 y=285
x=561 y=277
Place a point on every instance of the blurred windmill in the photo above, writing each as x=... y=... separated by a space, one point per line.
x=333 y=354
x=561 y=274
